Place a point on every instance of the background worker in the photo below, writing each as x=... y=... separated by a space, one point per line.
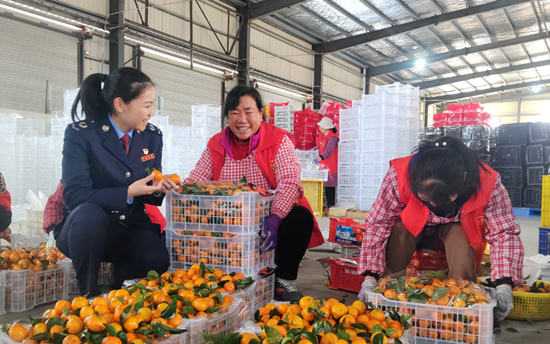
x=328 y=157
x=5 y=211
x=265 y=154
x=443 y=197
x=106 y=182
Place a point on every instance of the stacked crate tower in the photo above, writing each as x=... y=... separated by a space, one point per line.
x=521 y=156
x=376 y=129
x=284 y=117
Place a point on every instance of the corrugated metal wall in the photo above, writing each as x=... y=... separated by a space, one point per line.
x=30 y=56
x=97 y=6
x=278 y=53
x=342 y=79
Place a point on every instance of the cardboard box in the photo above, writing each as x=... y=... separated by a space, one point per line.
x=357 y=214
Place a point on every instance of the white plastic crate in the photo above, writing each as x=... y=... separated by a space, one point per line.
x=224 y=322
x=365 y=203
x=264 y=291
x=2 y=294
x=350 y=123
x=348 y=135
x=378 y=157
x=347 y=192
x=348 y=168
x=348 y=157
x=240 y=253
x=349 y=147
x=321 y=175
x=244 y=212
x=371 y=181
x=35 y=219
x=23 y=240
x=431 y=317
x=350 y=251
x=284 y=120
x=26 y=289
x=380 y=133
x=348 y=179
x=246 y=312
x=374 y=168
x=369 y=192
x=306 y=155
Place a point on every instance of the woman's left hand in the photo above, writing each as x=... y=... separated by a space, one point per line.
x=166 y=185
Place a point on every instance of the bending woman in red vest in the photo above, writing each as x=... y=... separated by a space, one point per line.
x=443 y=197
x=266 y=155
x=328 y=156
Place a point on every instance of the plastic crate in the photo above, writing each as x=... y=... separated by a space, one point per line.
x=348 y=157
x=511 y=177
x=35 y=219
x=515 y=196
x=545 y=202
x=321 y=175
x=507 y=156
x=344 y=275
x=348 y=135
x=532 y=197
x=313 y=191
x=432 y=319
x=547 y=155
x=544 y=241
x=534 y=155
x=223 y=322
x=534 y=175
x=530 y=306
x=346 y=231
x=244 y=212
x=304 y=155
x=539 y=132
x=246 y=312
x=350 y=251
x=348 y=169
x=22 y=240
x=240 y=253
x=348 y=179
x=2 y=294
x=264 y=291
x=26 y=289
x=511 y=134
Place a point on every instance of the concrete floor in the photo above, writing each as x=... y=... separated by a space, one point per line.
x=311 y=281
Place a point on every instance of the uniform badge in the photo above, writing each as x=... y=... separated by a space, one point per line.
x=152 y=127
x=83 y=125
x=145 y=151
x=147 y=157
x=105 y=128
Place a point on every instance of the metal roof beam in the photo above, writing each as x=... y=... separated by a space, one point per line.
x=393 y=67
x=260 y=9
x=344 y=43
x=487 y=90
x=439 y=82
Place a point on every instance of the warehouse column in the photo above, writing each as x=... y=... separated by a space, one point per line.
x=116 y=36
x=244 y=48
x=366 y=74
x=317 y=81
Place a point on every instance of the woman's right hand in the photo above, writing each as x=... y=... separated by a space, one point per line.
x=140 y=187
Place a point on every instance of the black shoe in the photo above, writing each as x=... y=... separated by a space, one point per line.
x=286 y=291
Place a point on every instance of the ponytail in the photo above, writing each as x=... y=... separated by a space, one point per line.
x=90 y=96
x=98 y=92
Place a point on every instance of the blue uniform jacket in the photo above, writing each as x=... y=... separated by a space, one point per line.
x=97 y=170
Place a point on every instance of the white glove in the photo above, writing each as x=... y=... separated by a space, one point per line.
x=51 y=241
x=505 y=302
x=367 y=286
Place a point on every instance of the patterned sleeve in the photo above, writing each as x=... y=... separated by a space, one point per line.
x=503 y=234
x=287 y=176
x=380 y=220
x=203 y=170
x=55 y=209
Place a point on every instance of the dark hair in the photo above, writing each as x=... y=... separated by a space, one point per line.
x=443 y=168
x=334 y=130
x=98 y=91
x=234 y=96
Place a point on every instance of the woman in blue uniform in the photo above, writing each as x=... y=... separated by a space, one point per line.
x=107 y=159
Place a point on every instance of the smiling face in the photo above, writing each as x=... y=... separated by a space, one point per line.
x=245 y=120
x=137 y=113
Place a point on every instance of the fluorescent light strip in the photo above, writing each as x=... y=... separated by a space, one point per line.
x=178 y=59
x=278 y=89
x=41 y=18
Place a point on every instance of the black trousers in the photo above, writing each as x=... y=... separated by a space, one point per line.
x=330 y=192
x=88 y=237
x=294 y=235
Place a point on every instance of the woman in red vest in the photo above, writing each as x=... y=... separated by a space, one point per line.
x=443 y=197
x=5 y=210
x=265 y=154
x=328 y=156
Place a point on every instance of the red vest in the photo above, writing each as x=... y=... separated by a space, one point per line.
x=270 y=140
x=332 y=161
x=415 y=215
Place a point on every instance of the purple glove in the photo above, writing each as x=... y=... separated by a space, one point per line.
x=270 y=233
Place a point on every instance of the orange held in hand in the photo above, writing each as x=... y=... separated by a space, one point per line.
x=158 y=175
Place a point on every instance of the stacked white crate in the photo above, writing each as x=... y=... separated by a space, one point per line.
x=380 y=127
x=284 y=117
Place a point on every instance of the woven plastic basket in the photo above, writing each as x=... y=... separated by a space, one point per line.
x=532 y=306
